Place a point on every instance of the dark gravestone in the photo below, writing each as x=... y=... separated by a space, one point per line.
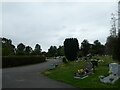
x=89 y=66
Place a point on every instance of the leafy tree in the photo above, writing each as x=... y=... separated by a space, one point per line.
x=7 y=47
x=44 y=53
x=28 y=50
x=92 y=50
x=71 y=48
x=98 y=48
x=116 y=49
x=20 y=49
x=52 y=51
x=37 y=50
x=113 y=47
x=60 y=51
x=85 y=47
x=110 y=44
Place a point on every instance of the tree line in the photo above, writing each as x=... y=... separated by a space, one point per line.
x=72 y=50
x=8 y=49
x=71 y=46
x=111 y=47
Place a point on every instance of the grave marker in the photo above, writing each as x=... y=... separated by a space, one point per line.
x=89 y=66
x=114 y=76
x=115 y=69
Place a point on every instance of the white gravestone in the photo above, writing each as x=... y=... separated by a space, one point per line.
x=115 y=69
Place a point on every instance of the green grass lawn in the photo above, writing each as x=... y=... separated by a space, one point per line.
x=64 y=73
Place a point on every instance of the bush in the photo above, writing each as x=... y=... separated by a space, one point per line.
x=65 y=60
x=10 y=61
x=71 y=48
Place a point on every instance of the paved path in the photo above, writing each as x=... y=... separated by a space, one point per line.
x=30 y=77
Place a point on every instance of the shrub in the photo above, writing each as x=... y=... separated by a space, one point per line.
x=65 y=60
x=71 y=48
x=10 y=61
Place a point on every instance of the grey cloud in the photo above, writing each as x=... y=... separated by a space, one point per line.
x=50 y=23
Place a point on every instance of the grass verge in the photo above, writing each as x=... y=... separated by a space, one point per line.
x=64 y=73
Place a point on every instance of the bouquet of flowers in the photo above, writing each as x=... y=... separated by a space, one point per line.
x=109 y=72
x=86 y=70
x=81 y=71
x=100 y=61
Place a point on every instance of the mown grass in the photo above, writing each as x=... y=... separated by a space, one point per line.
x=64 y=73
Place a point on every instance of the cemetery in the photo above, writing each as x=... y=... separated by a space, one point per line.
x=91 y=64
x=104 y=74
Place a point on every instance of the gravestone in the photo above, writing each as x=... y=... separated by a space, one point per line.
x=89 y=66
x=107 y=79
x=115 y=69
x=51 y=67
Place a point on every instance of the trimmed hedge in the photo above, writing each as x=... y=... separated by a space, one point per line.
x=11 y=61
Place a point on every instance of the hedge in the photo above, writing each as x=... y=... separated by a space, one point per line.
x=11 y=61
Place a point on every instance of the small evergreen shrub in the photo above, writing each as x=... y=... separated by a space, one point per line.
x=65 y=60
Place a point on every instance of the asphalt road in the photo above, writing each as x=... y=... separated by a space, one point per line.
x=30 y=77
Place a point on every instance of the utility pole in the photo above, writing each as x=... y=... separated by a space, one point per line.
x=113 y=26
x=119 y=16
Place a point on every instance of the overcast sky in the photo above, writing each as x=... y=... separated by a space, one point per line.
x=50 y=23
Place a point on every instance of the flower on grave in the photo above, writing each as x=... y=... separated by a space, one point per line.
x=92 y=59
x=100 y=61
x=86 y=70
x=111 y=79
x=109 y=72
x=101 y=77
x=81 y=71
x=78 y=71
x=96 y=60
